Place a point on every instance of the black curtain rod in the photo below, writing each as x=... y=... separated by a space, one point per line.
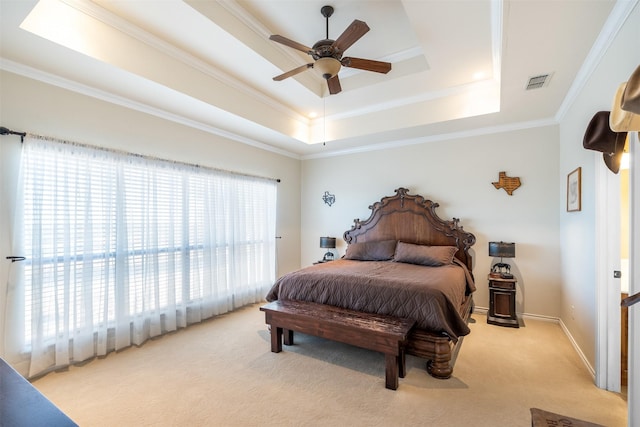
x=5 y=131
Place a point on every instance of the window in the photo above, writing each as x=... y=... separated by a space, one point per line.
x=121 y=248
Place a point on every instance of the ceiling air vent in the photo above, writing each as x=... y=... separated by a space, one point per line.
x=536 y=82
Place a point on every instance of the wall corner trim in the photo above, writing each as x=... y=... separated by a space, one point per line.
x=578 y=350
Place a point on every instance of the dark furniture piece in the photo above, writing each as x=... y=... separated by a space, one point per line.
x=624 y=342
x=540 y=418
x=385 y=334
x=22 y=405
x=502 y=302
x=412 y=219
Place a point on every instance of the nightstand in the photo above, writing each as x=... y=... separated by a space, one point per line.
x=502 y=302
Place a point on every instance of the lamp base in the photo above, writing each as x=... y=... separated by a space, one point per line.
x=328 y=256
x=502 y=269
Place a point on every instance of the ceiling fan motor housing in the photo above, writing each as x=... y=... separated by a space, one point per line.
x=327 y=58
x=325 y=49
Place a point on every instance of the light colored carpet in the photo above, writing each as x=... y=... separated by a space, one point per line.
x=222 y=373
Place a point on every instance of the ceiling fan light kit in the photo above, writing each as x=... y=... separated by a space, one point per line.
x=327 y=54
x=328 y=67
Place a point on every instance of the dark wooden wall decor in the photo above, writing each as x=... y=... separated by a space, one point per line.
x=508 y=183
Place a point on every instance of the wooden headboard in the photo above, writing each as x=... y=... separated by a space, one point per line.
x=412 y=219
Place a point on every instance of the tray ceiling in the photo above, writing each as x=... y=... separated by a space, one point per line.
x=459 y=67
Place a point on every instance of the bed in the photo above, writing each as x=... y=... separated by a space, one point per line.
x=403 y=261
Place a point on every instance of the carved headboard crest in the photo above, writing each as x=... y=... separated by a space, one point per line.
x=412 y=219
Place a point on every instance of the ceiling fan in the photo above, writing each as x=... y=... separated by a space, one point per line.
x=327 y=54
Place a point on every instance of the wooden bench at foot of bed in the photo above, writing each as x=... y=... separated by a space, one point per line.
x=385 y=334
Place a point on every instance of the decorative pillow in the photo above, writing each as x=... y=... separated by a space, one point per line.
x=433 y=256
x=371 y=251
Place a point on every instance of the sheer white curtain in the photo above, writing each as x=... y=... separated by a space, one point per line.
x=121 y=248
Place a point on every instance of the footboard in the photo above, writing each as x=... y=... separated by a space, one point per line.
x=440 y=351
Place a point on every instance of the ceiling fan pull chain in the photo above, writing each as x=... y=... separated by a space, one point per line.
x=324 y=120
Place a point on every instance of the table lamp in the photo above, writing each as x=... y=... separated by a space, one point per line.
x=502 y=250
x=328 y=243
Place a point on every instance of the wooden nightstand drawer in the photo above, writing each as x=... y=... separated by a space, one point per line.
x=502 y=284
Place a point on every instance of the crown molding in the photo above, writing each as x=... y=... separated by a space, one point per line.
x=54 y=80
x=235 y=9
x=48 y=78
x=619 y=14
x=263 y=33
x=95 y=11
x=410 y=100
x=488 y=130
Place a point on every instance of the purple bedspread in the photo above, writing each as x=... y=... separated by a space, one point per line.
x=432 y=296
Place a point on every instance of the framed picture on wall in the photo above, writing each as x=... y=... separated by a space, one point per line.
x=574 y=191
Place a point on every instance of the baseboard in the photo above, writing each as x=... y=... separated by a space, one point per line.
x=480 y=310
x=539 y=317
x=576 y=347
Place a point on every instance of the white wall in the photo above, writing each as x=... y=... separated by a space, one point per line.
x=578 y=252
x=457 y=174
x=38 y=108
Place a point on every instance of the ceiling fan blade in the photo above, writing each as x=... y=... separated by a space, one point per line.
x=367 y=64
x=293 y=72
x=351 y=35
x=287 y=42
x=334 y=85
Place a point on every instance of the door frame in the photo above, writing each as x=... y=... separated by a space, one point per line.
x=607 y=353
x=633 y=388
x=607 y=243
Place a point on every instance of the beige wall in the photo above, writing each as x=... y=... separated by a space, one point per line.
x=38 y=108
x=457 y=174
x=578 y=305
